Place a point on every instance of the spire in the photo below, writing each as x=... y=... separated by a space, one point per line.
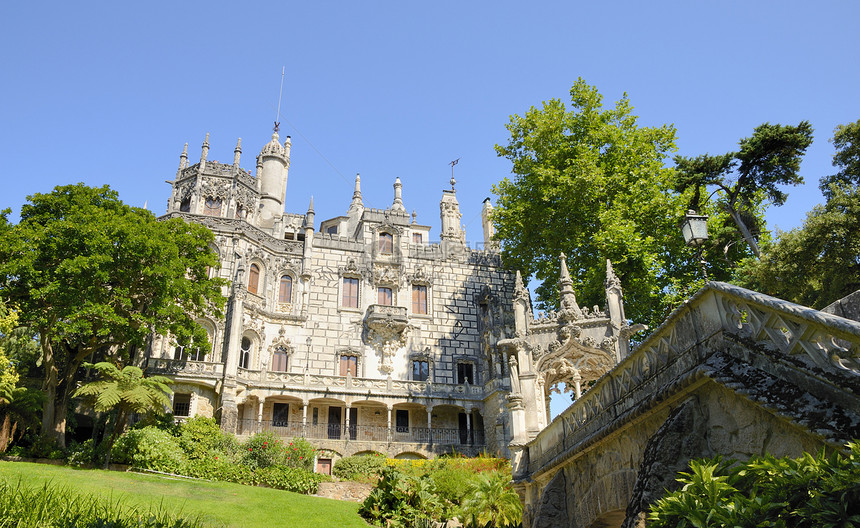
x=309 y=216
x=519 y=287
x=487 y=222
x=565 y=286
x=204 y=153
x=183 y=158
x=356 y=204
x=398 y=197
x=288 y=145
x=612 y=280
x=237 y=152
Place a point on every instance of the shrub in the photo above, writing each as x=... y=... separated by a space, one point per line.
x=804 y=492
x=86 y=454
x=291 y=479
x=201 y=437
x=263 y=450
x=400 y=501
x=148 y=448
x=41 y=447
x=299 y=454
x=217 y=468
x=359 y=467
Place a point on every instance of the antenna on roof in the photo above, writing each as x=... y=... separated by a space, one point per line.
x=280 y=93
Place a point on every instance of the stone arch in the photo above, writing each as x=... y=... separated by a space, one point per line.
x=250 y=358
x=410 y=455
x=256 y=277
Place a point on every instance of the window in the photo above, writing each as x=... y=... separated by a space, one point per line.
x=464 y=373
x=185 y=206
x=331 y=230
x=212 y=207
x=386 y=243
x=349 y=365
x=245 y=353
x=420 y=370
x=189 y=353
x=315 y=416
x=385 y=296
x=254 y=278
x=419 y=299
x=240 y=211
x=401 y=420
x=417 y=238
x=285 y=292
x=181 y=404
x=279 y=359
x=350 y=292
x=280 y=414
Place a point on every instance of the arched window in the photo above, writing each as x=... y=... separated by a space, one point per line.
x=185 y=206
x=245 y=353
x=386 y=243
x=212 y=207
x=285 y=292
x=279 y=359
x=254 y=278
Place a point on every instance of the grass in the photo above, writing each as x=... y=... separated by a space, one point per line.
x=219 y=504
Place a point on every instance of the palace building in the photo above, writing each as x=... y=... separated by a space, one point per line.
x=361 y=334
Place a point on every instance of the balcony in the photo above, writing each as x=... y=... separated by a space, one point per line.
x=440 y=436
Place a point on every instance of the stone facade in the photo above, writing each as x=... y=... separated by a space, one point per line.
x=363 y=335
x=731 y=372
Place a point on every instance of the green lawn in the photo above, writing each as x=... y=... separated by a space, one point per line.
x=220 y=504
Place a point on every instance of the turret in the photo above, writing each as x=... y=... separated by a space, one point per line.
x=449 y=209
x=309 y=238
x=356 y=205
x=183 y=161
x=204 y=153
x=398 y=197
x=273 y=180
x=237 y=152
x=489 y=229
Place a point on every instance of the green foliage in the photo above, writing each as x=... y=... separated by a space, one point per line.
x=148 y=448
x=201 y=437
x=809 y=491
x=400 y=500
x=492 y=502
x=364 y=468
x=299 y=453
x=591 y=183
x=89 y=273
x=293 y=479
x=746 y=180
x=817 y=263
x=126 y=389
x=49 y=506
x=846 y=140
x=263 y=450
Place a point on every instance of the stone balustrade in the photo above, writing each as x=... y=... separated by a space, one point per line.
x=805 y=340
x=203 y=369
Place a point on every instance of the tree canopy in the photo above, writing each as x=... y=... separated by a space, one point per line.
x=819 y=262
x=745 y=179
x=589 y=182
x=91 y=274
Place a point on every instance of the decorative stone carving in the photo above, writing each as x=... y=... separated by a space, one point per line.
x=386 y=329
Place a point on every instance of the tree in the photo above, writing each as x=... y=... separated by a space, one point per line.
x=817 y=263
x=746 y=178
x=125 y=392
x=591 y=183
x=94 y=276
x=491 y=502
x=846 y=140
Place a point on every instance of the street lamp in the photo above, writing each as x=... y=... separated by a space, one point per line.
x=308 y=342
x=694 y=228
x=695 y=231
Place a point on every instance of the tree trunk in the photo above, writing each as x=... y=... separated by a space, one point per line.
x=745 y=232
x=5 y=432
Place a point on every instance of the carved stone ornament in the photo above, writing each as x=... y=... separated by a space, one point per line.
x=279 y=343
x=386 y=328
x=386 y=275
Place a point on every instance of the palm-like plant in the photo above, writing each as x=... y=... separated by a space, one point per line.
x=492 y=502
x=125 y=391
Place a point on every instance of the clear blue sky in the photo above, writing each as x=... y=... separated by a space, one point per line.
x=108 y=93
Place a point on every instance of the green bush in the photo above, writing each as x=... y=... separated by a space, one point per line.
x=401 y=501
x=86 y=454
x=291 y=479
x=148 y=448
x=263 y=450
x=49 y=506
x=217 y=468
x=804 y=492
x=201 y=437
x=363 y=468
x=299 y=453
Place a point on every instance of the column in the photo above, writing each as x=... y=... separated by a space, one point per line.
x=304 y=418
x=430 y=425
x=469 y=427
x=389 y=422
x=346 y=423
x=260 y=415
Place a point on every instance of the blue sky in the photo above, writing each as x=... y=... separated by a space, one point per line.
x=108 y=93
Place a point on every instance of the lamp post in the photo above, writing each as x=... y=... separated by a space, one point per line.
x=308 y=342
x=695 y=231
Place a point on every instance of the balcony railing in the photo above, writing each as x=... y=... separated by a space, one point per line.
x=365 y=433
